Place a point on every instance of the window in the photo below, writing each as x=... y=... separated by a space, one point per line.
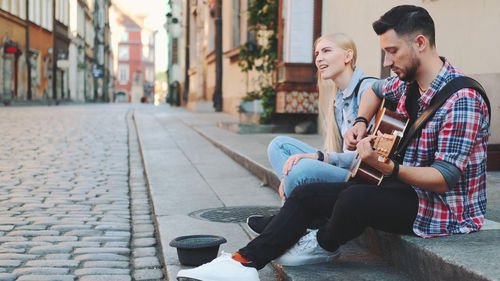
x=124 y=37
x=251 y=33
x=35 y=12
x=59 y=10
x=175 y=50
x=100 y=54
x=22 y=9
x=123 y=53
x=66 y=12
x=81 y=21
x=89 y=33
x=13 y=7
x=49 y=16
x=236 y=23
x=44 y=21
x=193 y=45
x=149 y=74
x=62 y=11
x=123 y=73
x=31 y=11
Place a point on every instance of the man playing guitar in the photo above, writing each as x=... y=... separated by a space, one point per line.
x=445 y=164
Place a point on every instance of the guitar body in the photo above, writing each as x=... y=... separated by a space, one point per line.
x=392 y=125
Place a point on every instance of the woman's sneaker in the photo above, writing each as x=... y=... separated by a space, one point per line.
x=223 y=268
x=307 y=251
x=257 y=223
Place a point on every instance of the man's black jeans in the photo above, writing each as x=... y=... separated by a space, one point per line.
x=348 y=208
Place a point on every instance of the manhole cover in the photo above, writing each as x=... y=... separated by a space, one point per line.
x=233 y=214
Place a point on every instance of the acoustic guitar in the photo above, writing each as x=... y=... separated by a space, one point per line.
x=392 y=126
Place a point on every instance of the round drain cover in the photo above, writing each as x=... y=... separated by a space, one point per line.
x=233 y=214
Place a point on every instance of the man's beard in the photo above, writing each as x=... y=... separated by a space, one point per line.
x=410 y=72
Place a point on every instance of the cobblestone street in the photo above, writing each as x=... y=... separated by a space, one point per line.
x=73 y=199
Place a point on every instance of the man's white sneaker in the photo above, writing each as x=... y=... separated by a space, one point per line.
x=307 y=251
x=223 y=268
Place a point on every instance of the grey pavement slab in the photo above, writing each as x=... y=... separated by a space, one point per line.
x=186 y=173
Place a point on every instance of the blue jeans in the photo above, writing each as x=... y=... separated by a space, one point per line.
x=306 y=170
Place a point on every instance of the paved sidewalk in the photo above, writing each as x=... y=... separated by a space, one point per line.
x=202 y=177
x=187 y=174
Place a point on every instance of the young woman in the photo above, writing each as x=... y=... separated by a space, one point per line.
x=297 y=163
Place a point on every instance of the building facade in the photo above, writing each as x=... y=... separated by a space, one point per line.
x=61 y=51
x=299 y=25
x=192 y=67
x=79 y=84
x=41 y=50
x=48 y=53
x=176 y=51
x=102 y=70
x=134 y=47
x=89 y=51
x=13 y=68
x=235 y=33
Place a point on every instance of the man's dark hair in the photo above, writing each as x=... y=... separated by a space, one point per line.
x=407 y=20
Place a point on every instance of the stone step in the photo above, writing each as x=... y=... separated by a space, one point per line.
x=354 y=264
x=473 y=256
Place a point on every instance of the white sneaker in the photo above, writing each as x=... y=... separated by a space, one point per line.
x=223 y=268
x=307 y=251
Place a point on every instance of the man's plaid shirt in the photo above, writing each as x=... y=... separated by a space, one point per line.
x=457 y=134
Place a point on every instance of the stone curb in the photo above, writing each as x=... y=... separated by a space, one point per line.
x=266 y=175
x=144 y=257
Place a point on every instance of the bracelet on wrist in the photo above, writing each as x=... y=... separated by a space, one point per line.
x=361 y=119
x=395 y=170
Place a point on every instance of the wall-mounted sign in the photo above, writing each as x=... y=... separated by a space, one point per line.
x=12 y=48
x=63 y=64
x=97 y=71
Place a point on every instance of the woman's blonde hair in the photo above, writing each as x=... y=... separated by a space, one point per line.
x=327 y=92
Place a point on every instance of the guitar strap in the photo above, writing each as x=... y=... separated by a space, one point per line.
x=439 y=99
x=411 y=103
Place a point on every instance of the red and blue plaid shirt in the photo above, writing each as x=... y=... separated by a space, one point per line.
x=457 y=134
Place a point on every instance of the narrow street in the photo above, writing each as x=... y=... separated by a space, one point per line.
x=73 y=199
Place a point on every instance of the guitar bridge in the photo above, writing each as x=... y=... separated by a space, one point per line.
x=398 y=133
x=382 y=159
